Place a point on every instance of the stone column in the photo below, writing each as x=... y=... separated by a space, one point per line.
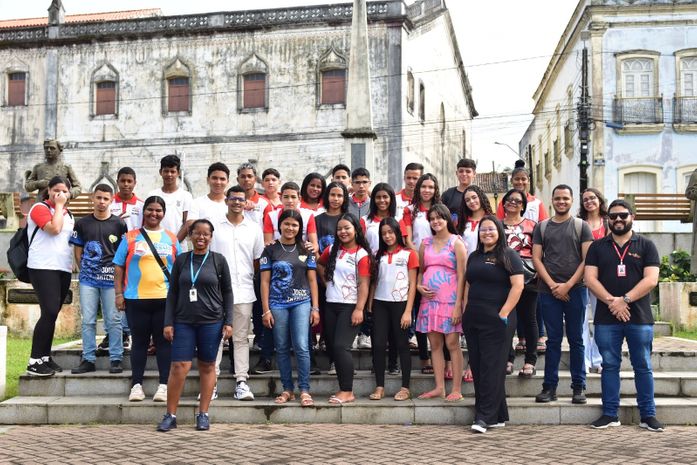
x=3 y=359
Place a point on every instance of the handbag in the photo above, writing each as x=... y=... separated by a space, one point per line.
x=529 y=273
x=163 y=267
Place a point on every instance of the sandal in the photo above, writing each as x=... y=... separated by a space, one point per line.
x=509 y=368
x=403 y=394
x=284 y=397
x=378 y=394
x=541 y=347
x=454 y=397
x=467 y=377
x=448 y=374
x=520 y=347
x=427 y=370
x=528 y=371
x=306 y=400
x=336 y=401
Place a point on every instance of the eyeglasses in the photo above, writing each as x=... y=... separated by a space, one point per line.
x=621 y=215
x=236 y=199
x=590 y=199
x=487 y=230
x=514 y=201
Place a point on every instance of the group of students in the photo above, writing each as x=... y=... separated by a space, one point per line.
x=341 y=259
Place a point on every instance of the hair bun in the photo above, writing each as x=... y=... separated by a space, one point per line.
x=520 y=163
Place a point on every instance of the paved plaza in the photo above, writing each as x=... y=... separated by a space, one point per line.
x=344 y=444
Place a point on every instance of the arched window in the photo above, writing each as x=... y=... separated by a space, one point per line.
x=104 y=91
x=177 y=88
x=253 y=93
x=332 y=78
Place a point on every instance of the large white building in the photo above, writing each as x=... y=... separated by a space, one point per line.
x=642 y=75
x=127 y=88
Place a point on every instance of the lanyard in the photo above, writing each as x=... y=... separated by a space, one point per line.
x=624 y=254
x=194 y=276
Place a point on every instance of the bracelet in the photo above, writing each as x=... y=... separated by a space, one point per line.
x=314 y=309
x=265 y=313
x=119 y=294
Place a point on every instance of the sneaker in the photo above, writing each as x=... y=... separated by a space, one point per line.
x=213 y=396
x=203 y=423
x=160 y=394
x=394 y=371
x=262 y=367
x=40 y=369
x=579 y=397
x=168 y=422
x=242 y=391
x=364 y=342
x=463 y=342
x=479 y=426
x=332 y=369
x=115 y=367
x=652 y=424
x=255 y=347
x=314 y=370
x=500 y=424
x=84 y=367
x=103 y=347
x=412 y=343
x=53 y=365
x=547 y=395
x=605 y=421
x=137 y=393
x=126 y=341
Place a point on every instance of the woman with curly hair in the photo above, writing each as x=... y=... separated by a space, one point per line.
x=345 y=269
x=475 y=205
x=290 y=303
x=311 y=193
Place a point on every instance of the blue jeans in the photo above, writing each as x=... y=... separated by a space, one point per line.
x=640 y=341
x=201 y=340
x=90 y=298
x=290 y=326
x=555 y=312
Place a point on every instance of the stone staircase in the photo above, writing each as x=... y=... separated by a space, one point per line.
x=101 y=397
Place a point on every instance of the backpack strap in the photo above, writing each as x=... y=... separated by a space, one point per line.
x=543 y=226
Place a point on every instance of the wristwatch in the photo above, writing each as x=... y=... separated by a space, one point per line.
x=626 y=299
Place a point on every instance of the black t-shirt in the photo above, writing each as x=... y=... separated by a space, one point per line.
x=288 y=266
x=490 y=282
x=213 y=285
x=602 y=254
x=452 y=198
x=99 y=240
x=326 y=228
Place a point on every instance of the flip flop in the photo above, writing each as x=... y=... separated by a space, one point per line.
x=306 y=400
x=336 y=401
x=454 y=397
x=427 y=370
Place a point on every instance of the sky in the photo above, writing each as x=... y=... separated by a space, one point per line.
x=505 y=46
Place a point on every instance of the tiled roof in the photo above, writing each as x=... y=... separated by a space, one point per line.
x=83 y=18
x=492 y=182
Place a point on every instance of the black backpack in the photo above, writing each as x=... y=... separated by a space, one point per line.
x=18 y=252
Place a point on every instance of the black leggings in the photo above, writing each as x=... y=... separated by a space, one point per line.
x=340 y=334
x=146 y=318
x=51 y=287
x=387 y=317
x=527 y=317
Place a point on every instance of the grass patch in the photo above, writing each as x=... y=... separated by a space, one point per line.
x=686 y=334
x=18 y=350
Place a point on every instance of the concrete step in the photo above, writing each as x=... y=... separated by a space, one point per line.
x=662 y=360
x=666 y=384
x=117 y=410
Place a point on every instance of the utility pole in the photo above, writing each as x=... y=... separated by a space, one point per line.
x=584 y=122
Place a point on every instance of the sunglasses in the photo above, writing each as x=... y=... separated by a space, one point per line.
x=621 y=215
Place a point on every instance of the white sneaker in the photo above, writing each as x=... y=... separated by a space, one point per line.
x=332 y=369
x=242 y=391
x=463 y=342
x=161 y=394
x=213 y=397
x=363 y=342
x=136 y=394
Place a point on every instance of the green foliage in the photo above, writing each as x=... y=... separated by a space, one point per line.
x=676 y=268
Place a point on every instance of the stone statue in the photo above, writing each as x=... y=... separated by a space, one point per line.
x=41 y=174
x=691 y=193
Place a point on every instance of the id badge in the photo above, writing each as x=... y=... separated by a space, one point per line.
x=193 y=295
x=621 y=271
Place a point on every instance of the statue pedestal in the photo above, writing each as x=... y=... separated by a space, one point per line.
x=678 y=302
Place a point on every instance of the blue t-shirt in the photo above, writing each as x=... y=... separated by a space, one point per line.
x=288 y=267
x=99 y=240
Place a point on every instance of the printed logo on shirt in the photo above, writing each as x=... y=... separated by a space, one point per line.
x=302 y=258
x=400 y=261
x=113 y=238
x=635 y=255
x=263 y=261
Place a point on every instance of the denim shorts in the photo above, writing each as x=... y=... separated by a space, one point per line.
x=200 y=339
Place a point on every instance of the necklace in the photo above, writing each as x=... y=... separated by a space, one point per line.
x=286 y=250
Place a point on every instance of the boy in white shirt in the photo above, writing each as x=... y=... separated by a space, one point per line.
x=211 y=206
x=178 y=200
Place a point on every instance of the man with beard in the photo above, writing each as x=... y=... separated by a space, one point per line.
x=621 y=270
x=559 y=249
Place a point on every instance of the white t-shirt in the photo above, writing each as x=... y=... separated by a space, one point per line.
x=240 y=244
x=372 y=232
x=48 y=251
x=343 y=288
x=177 y=203
x=420 y=227
x=402 y=202
x=393 y=275
x=470 y=235
x=257 y=213
x=205 y=208
x=131 y=212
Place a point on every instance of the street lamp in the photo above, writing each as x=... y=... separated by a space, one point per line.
x=510 y=148
x=529 y=162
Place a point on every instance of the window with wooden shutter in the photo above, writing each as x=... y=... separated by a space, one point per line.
x=106 y=98
x=16 y=89
x=334 y=86
x=178 y=94
x=254 y=90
